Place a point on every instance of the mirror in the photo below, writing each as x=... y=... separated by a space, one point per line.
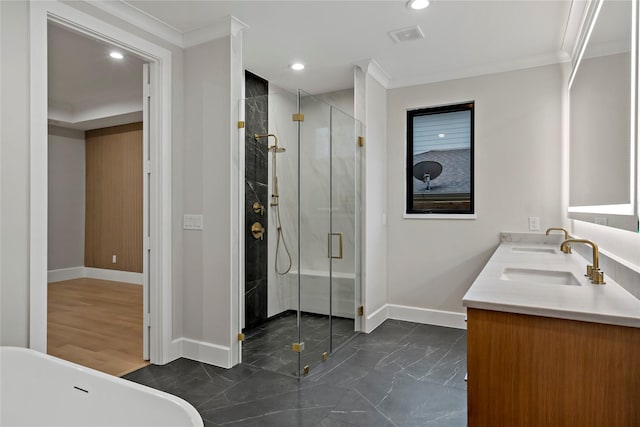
x=603 y=161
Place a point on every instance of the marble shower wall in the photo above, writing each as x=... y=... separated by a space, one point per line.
x=283 y=289
x=322 y=126
x=256 y=190
x=328 y=185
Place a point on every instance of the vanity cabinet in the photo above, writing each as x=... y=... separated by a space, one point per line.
x=526 y=370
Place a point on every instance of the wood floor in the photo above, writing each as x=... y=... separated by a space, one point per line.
x=96 y=323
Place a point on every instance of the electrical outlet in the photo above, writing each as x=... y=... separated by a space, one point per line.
x=534 y=223
x=113 y=259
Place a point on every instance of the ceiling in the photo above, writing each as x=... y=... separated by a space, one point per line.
x=86 y=85
x=462 y=38
x=611 y=33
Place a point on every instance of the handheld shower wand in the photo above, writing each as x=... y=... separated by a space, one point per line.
x=274 y=149
x=275 y=195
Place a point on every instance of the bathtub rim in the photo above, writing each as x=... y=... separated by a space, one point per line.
x=193 y=414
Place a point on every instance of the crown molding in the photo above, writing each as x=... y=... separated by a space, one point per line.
x=572 y=29
x=580 y=17
x=140 y=19
x=574 y=25
x=375 y=70
x=519 y=64
x=229 y=26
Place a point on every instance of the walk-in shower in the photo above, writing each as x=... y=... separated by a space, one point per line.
x=281 y=244
x=302 y=274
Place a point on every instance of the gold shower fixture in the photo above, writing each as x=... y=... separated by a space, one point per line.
x=275 y=203
x=275 y=148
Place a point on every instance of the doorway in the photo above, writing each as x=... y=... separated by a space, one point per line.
x=98 y=285
x=157 y=235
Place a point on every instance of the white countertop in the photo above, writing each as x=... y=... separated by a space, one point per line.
x=609 y=303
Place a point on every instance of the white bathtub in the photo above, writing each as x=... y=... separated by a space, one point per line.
x=41 y=390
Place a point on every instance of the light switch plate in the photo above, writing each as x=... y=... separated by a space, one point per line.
x=192 y=222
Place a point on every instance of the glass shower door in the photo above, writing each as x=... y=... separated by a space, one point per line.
x=314 y=198
x=328 y=274
x=344 y=253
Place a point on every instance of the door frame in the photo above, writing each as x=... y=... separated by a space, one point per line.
x=159 y=58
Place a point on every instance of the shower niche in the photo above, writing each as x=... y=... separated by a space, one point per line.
x=308 y=240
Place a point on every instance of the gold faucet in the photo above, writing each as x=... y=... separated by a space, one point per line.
x=567 y=248
x=593 y=271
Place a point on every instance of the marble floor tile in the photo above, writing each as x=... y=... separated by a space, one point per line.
x=401 y=374
x=269 y=345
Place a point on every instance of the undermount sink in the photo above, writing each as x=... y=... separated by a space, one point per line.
x=535 y=250
x=539 y=276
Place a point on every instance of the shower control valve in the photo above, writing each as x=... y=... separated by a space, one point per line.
x=258 y=208
x=257 y=230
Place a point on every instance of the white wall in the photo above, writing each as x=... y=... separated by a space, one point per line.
x=66 y=210
x=207 y=191
x=371 y=109
x=518 y=129
x=14 y=174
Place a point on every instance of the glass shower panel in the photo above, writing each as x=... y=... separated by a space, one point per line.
x=283 y=301
x=344 y=260
x=301 y=217
x=314 y=230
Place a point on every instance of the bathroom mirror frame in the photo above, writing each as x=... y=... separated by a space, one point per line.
x=623 y=215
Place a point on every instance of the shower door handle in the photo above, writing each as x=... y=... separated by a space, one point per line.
x=330 y=252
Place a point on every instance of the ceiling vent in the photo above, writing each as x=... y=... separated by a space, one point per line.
x=406 y=34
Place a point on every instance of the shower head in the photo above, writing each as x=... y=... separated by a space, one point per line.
x=276 y=149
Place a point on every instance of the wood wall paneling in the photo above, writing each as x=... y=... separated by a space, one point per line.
x=114 y=173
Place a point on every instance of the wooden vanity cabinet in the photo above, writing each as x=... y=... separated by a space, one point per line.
x=537 y=371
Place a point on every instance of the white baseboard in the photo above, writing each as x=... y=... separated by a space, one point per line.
x=376 y=318
x=114 y=275
x=414 y=314
x=65 y=274
x=204 y=352
x=94 y=273
x=172 y=352
x=427 y=316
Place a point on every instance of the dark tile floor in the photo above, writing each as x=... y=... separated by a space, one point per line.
x=401 y=374
x=269 y=345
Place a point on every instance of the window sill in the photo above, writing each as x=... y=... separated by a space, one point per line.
x=440 y=216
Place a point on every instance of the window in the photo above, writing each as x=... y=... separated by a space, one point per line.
x=440 y=160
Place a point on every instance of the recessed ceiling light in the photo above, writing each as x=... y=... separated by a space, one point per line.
x=297 y=66
x=116 y=55
x=418 y=4
x=441 y=135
